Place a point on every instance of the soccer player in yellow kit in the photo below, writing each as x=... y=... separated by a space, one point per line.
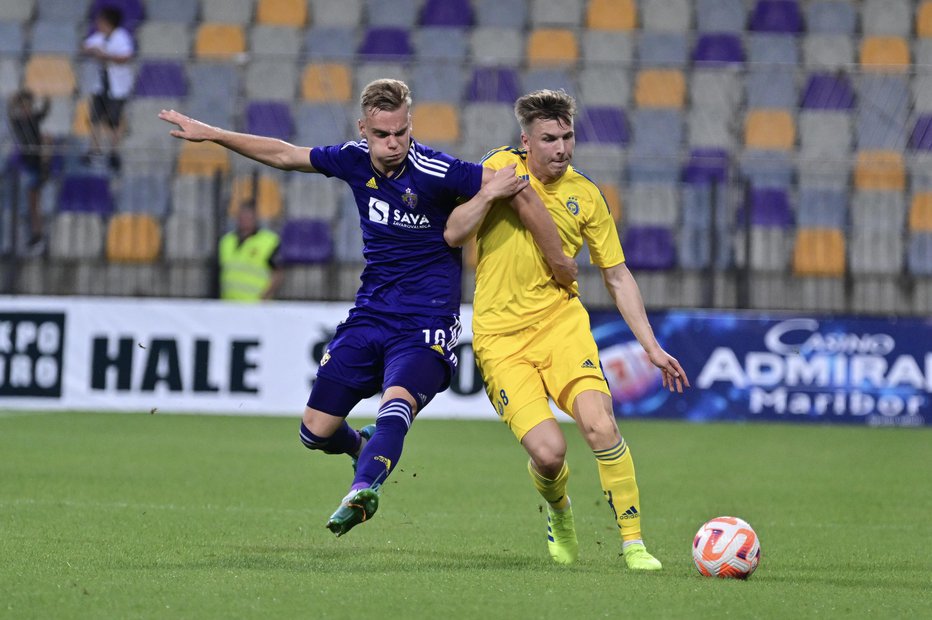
x=532 y=337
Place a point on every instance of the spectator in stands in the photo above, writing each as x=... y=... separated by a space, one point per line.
x=25 y=121
x=249 y=267
x=113 y=47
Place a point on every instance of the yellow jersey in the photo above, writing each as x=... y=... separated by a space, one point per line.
x=514 y=285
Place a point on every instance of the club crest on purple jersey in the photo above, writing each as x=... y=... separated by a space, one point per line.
x=409 y=198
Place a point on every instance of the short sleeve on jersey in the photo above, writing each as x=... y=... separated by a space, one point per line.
x=334 y=161
x=501 y=157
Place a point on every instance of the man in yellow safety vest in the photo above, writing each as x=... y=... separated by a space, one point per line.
x=249 y=266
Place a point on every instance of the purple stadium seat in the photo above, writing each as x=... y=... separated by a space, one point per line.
x=86 y=193
x=452 y=13
x=649 y=248
x=161 y=79
x=770 y=207
x=921 y=138
x=495 y=84
x=306 y=241
x=386 y=44
x=825 y=91
x=602 y=125
x=270 y=118
x=705 y=166
x=718 y=49
x=776 y=16
x=133 y=11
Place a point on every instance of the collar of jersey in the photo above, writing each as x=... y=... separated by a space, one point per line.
x=401 y=170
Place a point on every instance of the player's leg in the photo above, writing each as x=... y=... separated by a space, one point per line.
x=324 y=425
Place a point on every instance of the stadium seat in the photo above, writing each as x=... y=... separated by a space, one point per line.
x=202 y=159
x=81 y=121
x=501 y=13
x=238 y=12
x=710 y=127
x=776 y=16
x=919 y=254
x=876 y=128
x=548 y=77
x=269 y=201
x=164 y=40
x=878 y=210
x=50 y=76
x=493 y=84
x=439 y=44
x=819 y=252
x=611 y=15
x=607 y=47
x=343 y=14
x=306 y=241
x=552 y=46
x=318 y=124
x=921 y=86
x=76 y=235
x=219 y=41
x=879 y=170
x=884 y=54
x=58 y=122
x=438 y=82
x=447 y=14
x=141 y=192
x=769 y=207
x=656 y=133
x=601 y=85
x=275 y=41
x=828 y=92
x=766 y=168
x=771 y=87
x=322 y=82
x=397 y=14
x=496 y=46
x=133 y=238
x=160 y=78
x=718 y=50
x=331 y=43
x=133 y=11
x=831 y=17
x=649 y=248
x=721 y=16
x=12 y=39
x=187 y=238
x=269 y=118
x=660 y=88
x=54 y=37
x=368 y=71
x=391 y=44
x=828 y=52
x=651 y=204
x=921 y=137
x=21 y=11
x=312 y=195
x=271 y=79
x=181 y=11
x=602 y=125
x=86 y=193
x=765 y=48
x=769 y=129
x=662 y=49
x=886 y=18
x=564 y=14
x=666 y=15
x=876 y=252
x=924 y=19
x=706 y=166
x=282 y=13
x=436 y=123
x=713 y=88
x=490 y=125
x=920 y=212
x=822 y=208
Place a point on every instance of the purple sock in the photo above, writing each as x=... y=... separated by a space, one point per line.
x=344 y=441
x=383 y=451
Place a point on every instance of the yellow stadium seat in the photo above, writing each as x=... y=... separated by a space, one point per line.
x=50 y=76
x=282 y=12
x=552 y=46
x=612 y=15
x=613 y=198
x=326 y=82
x=436 y=122
x=924 y=19
x=769 y=129
x=81 y=122
x=219 y=40
x=920 y=213
x=133 y=238
x=269 y=201
x=819 y=252
x=202 y=159
x=880 y=170
x=660 y=88
x=884 y=54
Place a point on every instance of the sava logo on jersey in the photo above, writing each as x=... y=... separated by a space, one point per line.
x=379 y=212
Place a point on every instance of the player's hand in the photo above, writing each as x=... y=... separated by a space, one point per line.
x=188 y=128
x=565 y=271
x=504 y=184
x=672 y=374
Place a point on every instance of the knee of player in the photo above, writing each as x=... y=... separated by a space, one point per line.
x=599 y=431
x=549 y=458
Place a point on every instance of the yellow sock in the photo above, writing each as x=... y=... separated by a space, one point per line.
x=616 y=472
x=554 y=491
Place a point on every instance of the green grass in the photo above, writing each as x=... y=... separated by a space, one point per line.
x=122 y=516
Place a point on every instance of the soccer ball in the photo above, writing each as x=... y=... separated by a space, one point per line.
x=726 y=547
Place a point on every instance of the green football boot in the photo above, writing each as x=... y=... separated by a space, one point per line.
x=366 y=432
x=561 y=536
x=637 y=558
x=356 y=508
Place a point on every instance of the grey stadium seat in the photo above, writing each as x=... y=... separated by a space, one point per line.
x=887 y=17
x=772 y=49
x=563 y=14
x=496 y=46
x=20 y=11
x=488 y=122
x=721 y=16
x=183 y=11
x=651 y=204
x=827 y=51
x=399 y=13
x=605 y=46
x=878 y=210
x=144 y=193
x=876 y=251
x=61 y=10
x=771 y=87
x=605 y=86
x=76 y=235
x=711 y=127
x=345 y=13
x=227 y=11
x=719 y=89
x=831 y=17
x=444 y=82
x=282 y=42
x=319 y=124
x=164 y=40
x=662 y=49
x=433 y=44
x=501 y=13
x=825 y=133
x=12 y=38
x=54 y=38
x=666 y=15
x=188 y=237
x=271 y=79
x=312 y=195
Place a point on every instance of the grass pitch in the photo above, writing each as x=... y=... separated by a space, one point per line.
x=137 y=515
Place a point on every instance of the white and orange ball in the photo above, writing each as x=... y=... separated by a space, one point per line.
x=726 y=547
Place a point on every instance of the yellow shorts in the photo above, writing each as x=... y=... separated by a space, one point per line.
x=557 y=358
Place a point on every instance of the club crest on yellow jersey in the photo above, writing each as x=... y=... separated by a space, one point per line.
x=572 y=205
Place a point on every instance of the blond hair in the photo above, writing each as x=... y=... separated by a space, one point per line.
x=384 y=94
x=545 y=104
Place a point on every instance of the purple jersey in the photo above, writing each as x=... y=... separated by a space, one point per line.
x=409 y=266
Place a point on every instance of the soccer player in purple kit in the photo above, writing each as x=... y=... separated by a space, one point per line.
x=400 y=336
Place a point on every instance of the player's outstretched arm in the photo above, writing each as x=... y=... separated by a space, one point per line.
x=535 y=217
x=627 y=296
x=270 y=151
x=464 y=220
